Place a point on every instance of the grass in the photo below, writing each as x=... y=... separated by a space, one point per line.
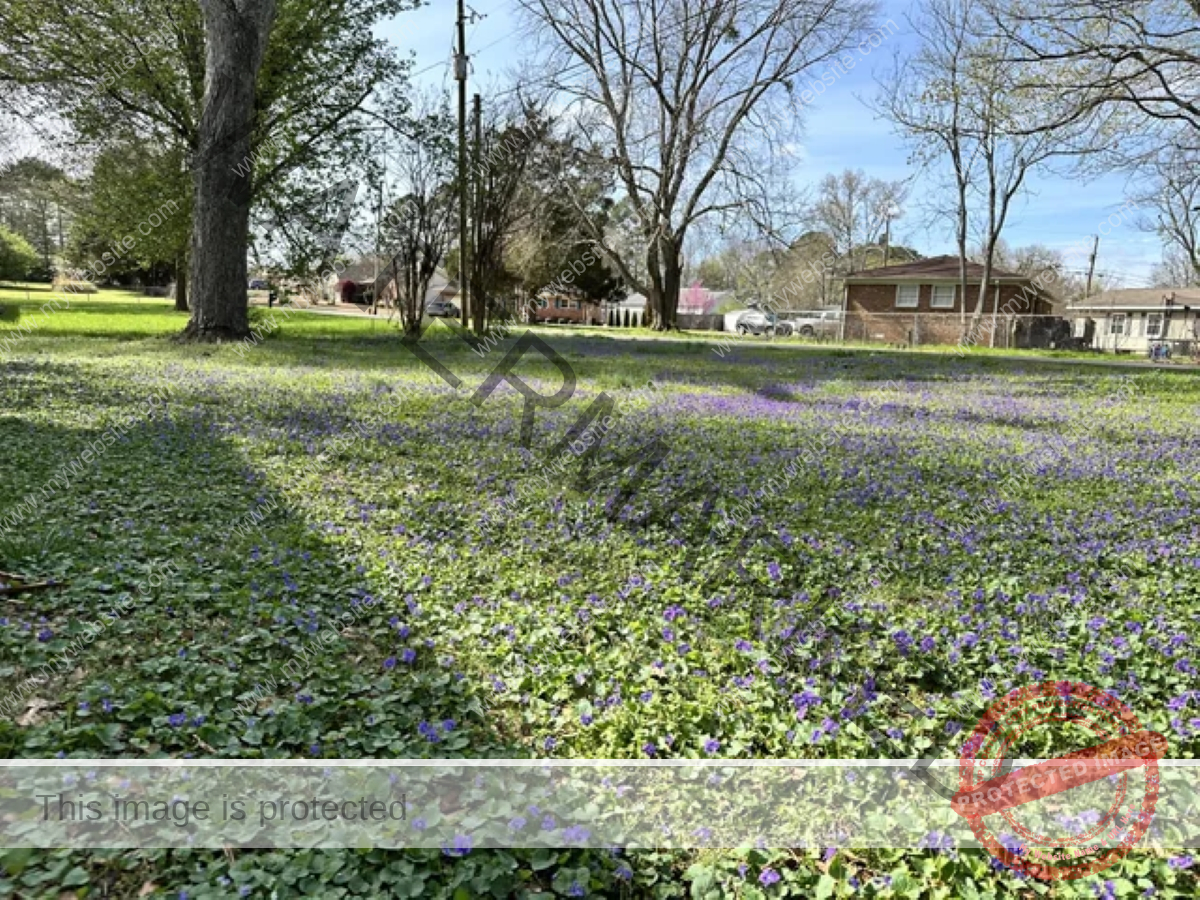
x=129 y=315
x=835 y=543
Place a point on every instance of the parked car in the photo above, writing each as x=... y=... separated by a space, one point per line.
x=441 y=309
x=259 y=284
x=758 y=322
x=819 y=323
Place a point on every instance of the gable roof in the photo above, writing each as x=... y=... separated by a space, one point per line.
x=935 y=268
x=363 y=271
x=1139 y=299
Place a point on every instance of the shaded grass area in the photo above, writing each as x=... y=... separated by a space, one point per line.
x=947 y=523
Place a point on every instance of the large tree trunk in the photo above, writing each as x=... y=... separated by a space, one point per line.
x=181 y=286
x=666 y=280
x=236 y=33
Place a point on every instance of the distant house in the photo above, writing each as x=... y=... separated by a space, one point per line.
x=356 y=282
x=922 y=301
x=627 y=312
x=566 y=309
x=440 y=288
x=361 y=281
x=1129 y=321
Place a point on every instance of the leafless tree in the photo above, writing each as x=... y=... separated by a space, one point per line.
x=419 y=227
x=853 y=209
x=1137 y=62
x=1143 y=55
x=955 y=100
x=1171 y=195
x=1027 y=260
x=923 y=98
x=1175 y=270
x=511 y=139
x=680 y=92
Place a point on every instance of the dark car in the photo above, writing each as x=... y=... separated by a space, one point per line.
x=258 y=284
x=758 y=322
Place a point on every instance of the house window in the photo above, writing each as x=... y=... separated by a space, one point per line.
x=943 y=296
x=907 y=296
x=544 y=304
x=1116 y=324
x=560 y=303
x=1154 y=325
x=574 y=304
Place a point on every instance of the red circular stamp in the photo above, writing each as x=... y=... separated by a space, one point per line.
x=1117 y=771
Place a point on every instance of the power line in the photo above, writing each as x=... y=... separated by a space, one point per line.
x=441 y=65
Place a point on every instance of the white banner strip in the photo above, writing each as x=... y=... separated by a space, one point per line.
x=461 y=804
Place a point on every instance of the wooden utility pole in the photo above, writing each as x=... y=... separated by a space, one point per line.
x=1087 y=291
x=460 y=74
x=476 y=229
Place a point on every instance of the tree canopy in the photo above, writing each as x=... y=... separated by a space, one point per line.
x=125 y=70
x=37 y=201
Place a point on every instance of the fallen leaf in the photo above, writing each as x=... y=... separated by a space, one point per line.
x=33 y=709
x=203 y=745
x=147 y=889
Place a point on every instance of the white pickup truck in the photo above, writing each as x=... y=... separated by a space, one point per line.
x=823 y=323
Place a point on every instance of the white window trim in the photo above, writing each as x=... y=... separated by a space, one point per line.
x=900 y=304
x=933 y=296
x=1117 y=319
x=1157 y=330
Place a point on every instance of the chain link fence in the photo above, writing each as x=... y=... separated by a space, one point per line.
x=932 y=329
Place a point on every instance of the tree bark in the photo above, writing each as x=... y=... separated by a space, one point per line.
x=236 y=33
x=665 y=265
x=181 y=286
x=672 y=282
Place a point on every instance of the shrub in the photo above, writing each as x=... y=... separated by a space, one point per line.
x=17 y=257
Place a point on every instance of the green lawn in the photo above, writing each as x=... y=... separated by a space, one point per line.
x=841 y=552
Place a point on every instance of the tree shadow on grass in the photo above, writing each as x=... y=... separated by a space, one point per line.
x=201 y=611
x=122 y=493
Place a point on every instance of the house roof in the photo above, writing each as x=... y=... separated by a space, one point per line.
x=936 y=268
x=633 y=301
x=439 y=284
x=363 y=271
x=1138 y=299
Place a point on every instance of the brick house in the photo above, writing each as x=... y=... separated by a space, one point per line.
x=566 y=310
x=921 y=302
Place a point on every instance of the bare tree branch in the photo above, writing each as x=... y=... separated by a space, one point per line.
x=678 y=90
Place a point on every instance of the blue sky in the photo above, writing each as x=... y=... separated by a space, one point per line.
x=840 y=132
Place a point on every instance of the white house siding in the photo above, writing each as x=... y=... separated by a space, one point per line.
x=1134 y=337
